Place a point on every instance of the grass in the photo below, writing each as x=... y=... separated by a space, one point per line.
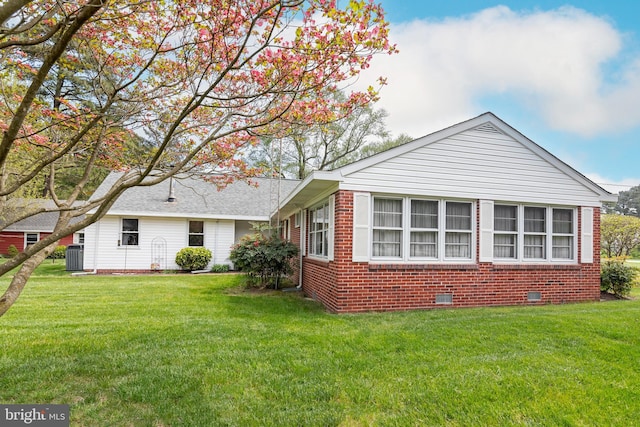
x=188 y=350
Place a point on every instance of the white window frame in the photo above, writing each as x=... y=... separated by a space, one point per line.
x=512 y=233
x=123 y=232
x=26 y=238
x=78 y=237
x=548 y=235
x=441 y=231
x=544 y=234
x=189 y=233
x=322 y=232
x=428 y=230
x=572 y=235
x=388 y=228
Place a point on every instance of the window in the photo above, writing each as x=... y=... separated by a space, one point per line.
x=129 y=232
x=412 y=229
x=458 y=230
x=562 y=234
x=387 y=227
x=31 y=239
x=196 y=233
x=285 y=230
x=78 y=238
x=319 y=231
x=535 y=233
x=531 y=230
x=424 y=229
x=505 y=225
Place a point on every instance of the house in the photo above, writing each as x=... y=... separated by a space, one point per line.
x=32 y=229
x=473 y=215
x=148 y=225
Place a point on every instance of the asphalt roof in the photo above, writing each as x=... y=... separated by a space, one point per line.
x=42 y=222
x=196 y=196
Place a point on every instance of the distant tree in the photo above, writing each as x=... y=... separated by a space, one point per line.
x=381 y=146
x=346 y=140
x=619 y=234
x=628 y=202
x=323 y=146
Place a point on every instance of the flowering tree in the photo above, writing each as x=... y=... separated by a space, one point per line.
x=154 y=88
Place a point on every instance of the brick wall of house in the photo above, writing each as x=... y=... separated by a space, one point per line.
x=344 y=286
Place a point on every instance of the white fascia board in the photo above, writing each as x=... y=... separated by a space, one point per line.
x=315 y=175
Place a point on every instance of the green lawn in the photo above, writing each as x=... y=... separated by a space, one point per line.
x=188 y=350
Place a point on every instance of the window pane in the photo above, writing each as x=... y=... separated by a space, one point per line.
x=196 y=240
x=457 y=245
x=387 y=213
x=424 y=244
x=129 y=224
x=196 y=227
x=534 y=220
x=504 y=245
x=534 y=247
x=562 y=247
x=563 y=221
x=387 y=243
x=458 y=216
x=424 y=214
x=130 y=239
x=505 y=218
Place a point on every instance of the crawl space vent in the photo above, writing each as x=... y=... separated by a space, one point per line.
x=444 y=298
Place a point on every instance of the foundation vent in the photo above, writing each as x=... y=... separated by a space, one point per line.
x=444 y=298
x=534 y=296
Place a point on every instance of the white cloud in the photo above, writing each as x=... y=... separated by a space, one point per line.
x=551 y=61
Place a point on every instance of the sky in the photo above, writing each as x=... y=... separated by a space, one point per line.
x=564 y=74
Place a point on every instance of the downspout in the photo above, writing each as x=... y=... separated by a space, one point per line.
x=303 y=231
x=95 y=248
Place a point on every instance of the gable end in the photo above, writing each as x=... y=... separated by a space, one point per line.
x=488 y=128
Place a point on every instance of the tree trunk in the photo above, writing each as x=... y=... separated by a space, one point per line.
x=21 y=277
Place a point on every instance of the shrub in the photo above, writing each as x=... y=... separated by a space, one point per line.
x=616 y=277
x=220 y=268
x=59 y=252
x=12 y=251
x=192 y=259
x=265 y=260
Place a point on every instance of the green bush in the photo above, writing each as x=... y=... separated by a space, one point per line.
x=265 y=260
x=192 y=259
x=59 y=252
x=220 y=268
x=12 y=251
x=616 y=277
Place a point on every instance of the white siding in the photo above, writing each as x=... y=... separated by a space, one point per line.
x=219 y=236
x=474 y=164
x=160 y=239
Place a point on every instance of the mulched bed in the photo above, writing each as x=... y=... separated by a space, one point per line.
x=606 y=296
